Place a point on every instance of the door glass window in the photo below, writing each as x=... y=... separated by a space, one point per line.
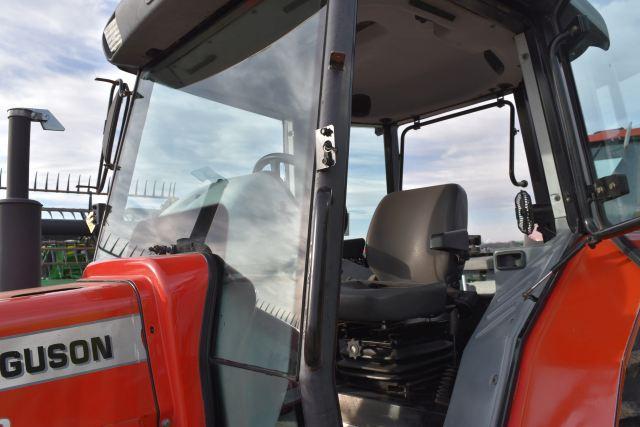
x=367 y=182
x=219 y=150
x=608 y=84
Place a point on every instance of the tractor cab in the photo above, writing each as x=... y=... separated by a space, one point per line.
x=389 y=187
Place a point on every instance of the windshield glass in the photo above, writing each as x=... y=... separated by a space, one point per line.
x=219 y=150
x=608 y=84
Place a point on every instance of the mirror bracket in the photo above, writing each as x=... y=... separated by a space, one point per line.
x=584 y=27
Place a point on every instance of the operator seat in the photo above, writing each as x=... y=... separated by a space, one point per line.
x=411 y=279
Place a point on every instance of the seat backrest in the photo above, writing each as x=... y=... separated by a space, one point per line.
x=400 y=230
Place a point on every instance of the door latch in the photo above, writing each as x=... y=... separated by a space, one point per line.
x=325 y=148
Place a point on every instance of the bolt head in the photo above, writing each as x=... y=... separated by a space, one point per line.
x=326 y=132
x=328 y=160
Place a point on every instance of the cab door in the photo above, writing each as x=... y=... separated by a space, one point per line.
x=211 y=116
x=317 y=368
x=275 y=340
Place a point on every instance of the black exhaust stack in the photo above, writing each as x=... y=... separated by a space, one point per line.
x=20 y=229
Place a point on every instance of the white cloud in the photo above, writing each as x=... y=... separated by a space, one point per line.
x=50 y=52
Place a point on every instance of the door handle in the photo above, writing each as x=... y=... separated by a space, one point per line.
x=510 y=260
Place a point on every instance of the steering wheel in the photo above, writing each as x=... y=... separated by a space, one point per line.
x=275 y=160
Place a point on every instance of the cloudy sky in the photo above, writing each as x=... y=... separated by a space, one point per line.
x=471 y=151
x=50 y=52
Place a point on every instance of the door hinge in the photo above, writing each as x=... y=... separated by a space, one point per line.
x=326 y=152
x=610 y=187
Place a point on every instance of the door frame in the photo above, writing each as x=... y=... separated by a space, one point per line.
x=317 y=368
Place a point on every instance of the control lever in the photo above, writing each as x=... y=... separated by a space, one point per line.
x=454 y=241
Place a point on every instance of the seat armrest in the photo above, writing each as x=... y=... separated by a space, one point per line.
x=353 y=248
x=454 y=241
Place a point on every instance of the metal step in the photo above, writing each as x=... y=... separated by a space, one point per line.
x=364 y=410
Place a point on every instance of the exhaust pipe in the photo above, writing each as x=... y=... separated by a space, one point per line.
x=20 y=217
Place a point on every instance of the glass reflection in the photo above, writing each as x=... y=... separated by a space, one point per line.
x=219 y=150
x=608 y=84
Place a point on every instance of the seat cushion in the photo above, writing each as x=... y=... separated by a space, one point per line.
x=352 y=271
x=375 y=301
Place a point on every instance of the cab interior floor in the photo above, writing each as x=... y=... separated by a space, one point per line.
x=365 y=408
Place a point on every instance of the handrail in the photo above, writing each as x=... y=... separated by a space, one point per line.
x=313 y=328
x=498 y=103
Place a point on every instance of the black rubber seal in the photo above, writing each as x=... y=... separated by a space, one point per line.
x=209 y=381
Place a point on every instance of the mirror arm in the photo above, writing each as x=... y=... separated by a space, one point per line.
x=113 y=83
x=112 y=165
x=102 y=179
x=100 y=172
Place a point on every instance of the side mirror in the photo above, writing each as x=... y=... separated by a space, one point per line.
x=587 y=26
x=119 y=93
x=110 y=127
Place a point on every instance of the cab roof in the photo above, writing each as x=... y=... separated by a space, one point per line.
x=413 y=57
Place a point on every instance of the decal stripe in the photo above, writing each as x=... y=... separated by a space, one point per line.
x=59 y=353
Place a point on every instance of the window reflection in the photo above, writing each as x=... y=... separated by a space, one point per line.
x=608 y=84
x=233 y=151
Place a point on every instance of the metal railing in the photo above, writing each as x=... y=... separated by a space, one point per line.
x=84 y=185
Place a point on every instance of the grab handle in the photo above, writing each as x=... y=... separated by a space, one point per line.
x=313 y=324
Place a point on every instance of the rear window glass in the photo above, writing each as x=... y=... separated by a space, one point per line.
x=472 y=151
